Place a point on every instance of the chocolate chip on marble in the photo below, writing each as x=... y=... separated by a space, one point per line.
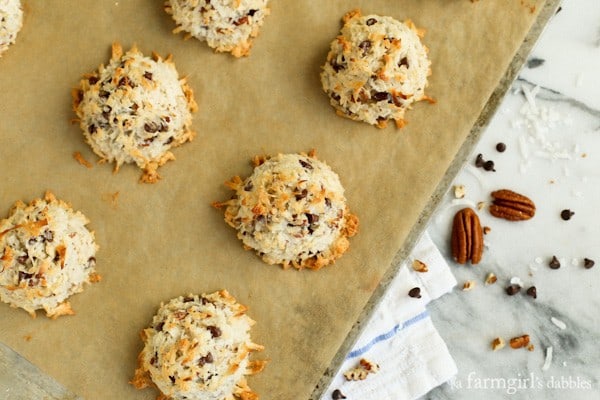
x=479 y=161
x=588 y=263
x=489 y=165
x=511 y=290
x=554 y=263
x=415 y=292
x=532 y=291
x=535 y=62
x=566 y=214
x=337 y=393
x=501 y=147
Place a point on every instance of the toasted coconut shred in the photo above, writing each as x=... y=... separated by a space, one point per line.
x=11 y=21
x=198 y=348
x=135 y=110
x=226 y=25
x=48 y=254
x=291 y=211
x=376 y=69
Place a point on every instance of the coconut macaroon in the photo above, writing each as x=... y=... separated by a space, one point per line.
x=291 y=211
x=11 y=21
x=48 y=254
x=135 y=110
x=225 y=25
x=198 y=348
x=376 y=69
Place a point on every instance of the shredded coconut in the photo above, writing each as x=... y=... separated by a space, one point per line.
x=558 y=323
x=548 y=359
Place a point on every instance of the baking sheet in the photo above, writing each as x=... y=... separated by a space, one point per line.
x=160 y=241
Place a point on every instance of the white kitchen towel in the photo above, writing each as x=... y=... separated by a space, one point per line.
x=401 y=338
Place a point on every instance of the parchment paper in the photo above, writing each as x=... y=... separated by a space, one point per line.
x=164 y=240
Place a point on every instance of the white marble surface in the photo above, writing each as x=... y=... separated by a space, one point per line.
x=553 y=157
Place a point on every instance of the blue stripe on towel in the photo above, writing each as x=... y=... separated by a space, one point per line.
x=387 y=335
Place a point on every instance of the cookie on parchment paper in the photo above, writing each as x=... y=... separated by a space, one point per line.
x=47 y=254
x=226 y=25
x=135 y=110
x=11 y=21
x=291 y=211
x=376 y=68
x=198 y=348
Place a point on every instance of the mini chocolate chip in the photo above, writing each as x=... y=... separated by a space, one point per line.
x=148 y=75
x=172 y=378
x=535 y=62
x=249 y=186
x=479 y=161
x=104 y=94
x=48 y=235
x=167 y=119
x=532 y=291
x=92 y=129
x=365 y=45
x=124 y=81
x=150 y=127
x=512 y=290
x=153 y=359
x=371 y=21
x=252 y=12
x=306 y=164
x=489 y=165
x=337 y=67
x=243 y=20
x=22 y=259
x=327 y=201
x=24 y=275
x=566 y=214
x=554 y=263
x=159 y=326
x=312 y=218
x=93 y=80
x=188 y=299
x=32 y=241
x=91 y=262
x=587 y=263
x=170 y=140
x=214 y=331
x=207 y=359
x=337 y=394
x=415 y=292
x=501 y=147
x=380 y=96
x=403 y=61
x=301 y=195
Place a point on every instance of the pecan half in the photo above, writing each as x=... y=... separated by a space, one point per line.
x=511 y=206
x=467 y=237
